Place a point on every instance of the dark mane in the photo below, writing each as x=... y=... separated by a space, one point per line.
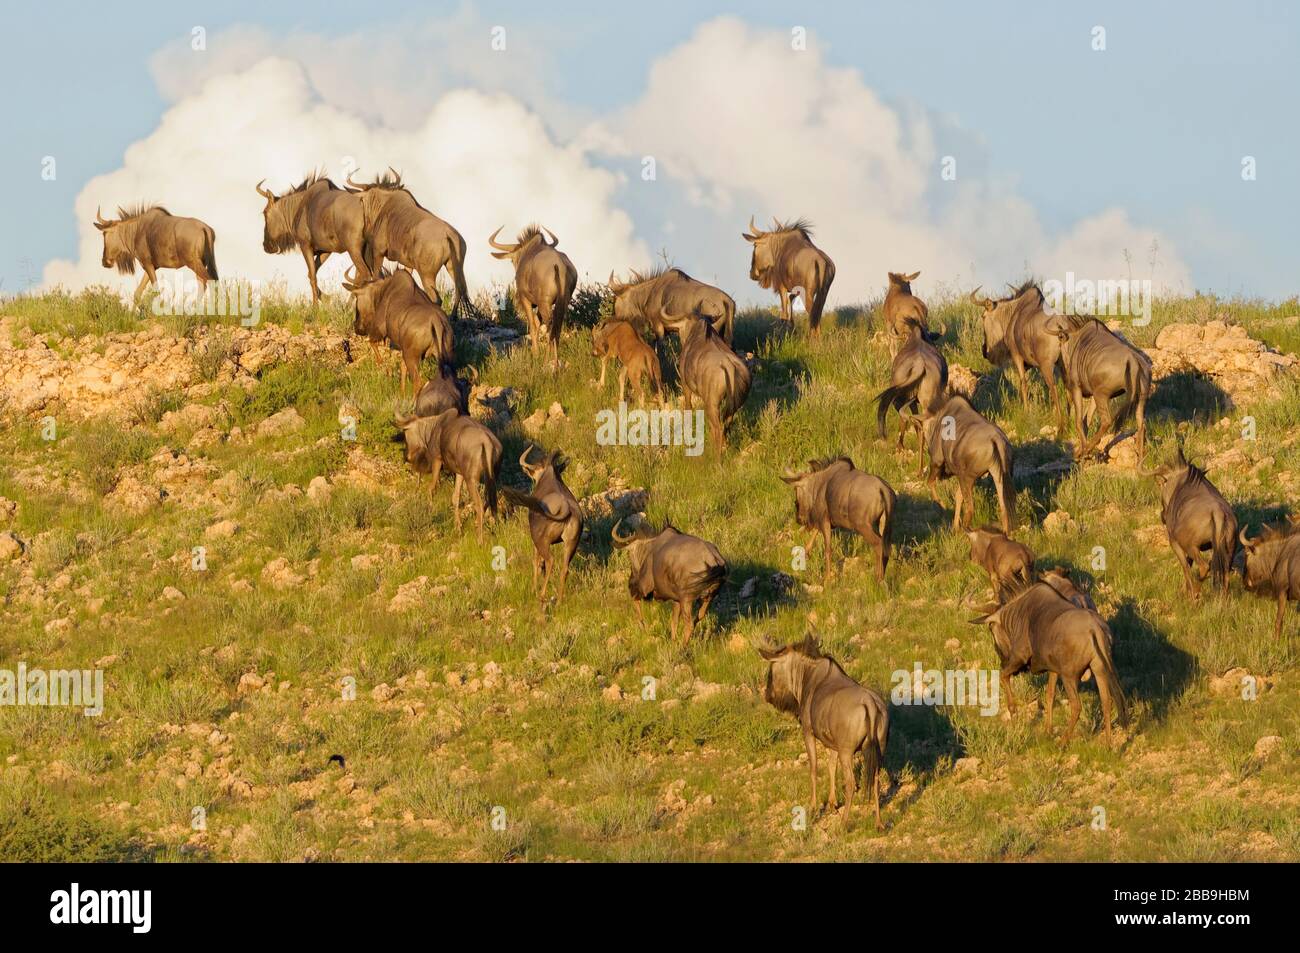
x=658 y=271
x=126 y=213
x=1194 y=473
x=387 y=180
x=528 y=233
x=1024 y=286
x=317 y=176
x=800 y=225
x=1277 y=531
x=819 y=465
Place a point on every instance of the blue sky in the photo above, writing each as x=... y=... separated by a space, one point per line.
x=1157 y=124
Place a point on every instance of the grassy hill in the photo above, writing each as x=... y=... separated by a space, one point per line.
x=225 y=688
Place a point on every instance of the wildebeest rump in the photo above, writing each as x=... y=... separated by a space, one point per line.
x=833 y=710
x=392 y=308
x=1272 y=565
x=1100 y=364
x=902 y=310
x=918 y=380
x=553 y=515
x=400 y=229
x=318 y=218
x=964 y=444
x=1009 y=563
x=672 y=566
x=649 y=299
x=637 y=360
x=1197 y=520
x=464 y=446
x=712 y=373
x=1059 y=579
x=157 y=239
x=1039 y=630
x=786 y=261
x=834 y=494
x=1016 y=332
x=446 y=390
x=544 y=282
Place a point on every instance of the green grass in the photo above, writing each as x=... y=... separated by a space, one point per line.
x=703 y=770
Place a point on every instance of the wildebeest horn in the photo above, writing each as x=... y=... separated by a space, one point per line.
x=1244 y=540
x=496 y=244
x=99 y=219
x=974 y=299
x=754 y=233
x=355 y=185
x=789 y=476
x=350 y=275
x=265 y=193
x=523 y=457
x=620 y=541
x=473 y=372
x=554 y=241
x=1013 y=288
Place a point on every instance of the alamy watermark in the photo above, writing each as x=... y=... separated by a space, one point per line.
x=1109 y=297
x=55 y=688
x=957 y=687
x=651 y=428
x=219 y=299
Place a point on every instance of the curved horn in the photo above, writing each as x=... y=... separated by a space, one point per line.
x=396 y=175
x=1243 y=539
x=99 y=219
x=496 y=244
x=554 y=241
x=1013 y=288
x=265 y=193
x=473 y=373
x=754 y=229
x=355 y=185
x=523 y=457
x=350 y=275
x=620 y=541
x=973 y=298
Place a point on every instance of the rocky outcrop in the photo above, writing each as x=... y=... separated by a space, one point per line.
x=1241 y=366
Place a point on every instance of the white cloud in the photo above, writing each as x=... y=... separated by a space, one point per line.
x=738 y=123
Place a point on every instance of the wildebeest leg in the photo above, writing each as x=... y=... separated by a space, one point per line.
x=145 y=282
x=1005 y=677
x=1193 y=584
x=1072 y=692
x=1281 y=614
x=455 y=502
x=603 y=360
x=1051 y=697
x=622 y=382
x=810 y=745
x=932 y=481
x=1076 y=399
x=826 y=546
x=850 y=783
x=476 y=494
x=537 y=566
x=640 y=616
x=311 y=274
x=1022 y=380
x=374 y=349
x=997 y=477
x=570 y=550
x=688 y=615
x=1142 y=428
x=831 y=765
x=401 y=387
x=546 y=579
x=956 y=505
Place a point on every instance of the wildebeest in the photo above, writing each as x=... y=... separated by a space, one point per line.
x=833 y=710
x=1009 y=563
x=544 y=282
x=645 y=297
x=1197 y=520
x=1101 y=365
x=637 y=360
x=902 y=310
x=464 y=446
x=964 y=444
x=400 y=229
x=444 y=391
x=1039 y=630
x=318 y=218
x=918 y=380
x=834 y=494
x=672 y=566
x=1272 y=565
x=157 y=239
x=553 y=515
x=1059 y=579
x=712 y=373
x=391 y=307
x=1016 y=332
x=786 y=261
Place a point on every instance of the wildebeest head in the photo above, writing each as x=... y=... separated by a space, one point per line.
x=981 y=539
x=810 y=487
x=530 y=238
x=365 y=294
x=1260 y=554
x=1170 y=476
x=375 y=195
x=554 y=462
x=420 y=433
x=902 y=282
x=630 y=298
x=784 y=664
x=997 y=315
x=277 y=215
x=117 y=238
x=767 y=246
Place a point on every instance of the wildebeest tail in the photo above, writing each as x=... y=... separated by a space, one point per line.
x=1134 y=384
x=1007 y=484
x=456 y=264
x=1224 y=543
x=557 y=307
x=490 y=480
x=709 y=580
x=1107 y=678
x=886 y=528
x=528 y=502
x=210 y=255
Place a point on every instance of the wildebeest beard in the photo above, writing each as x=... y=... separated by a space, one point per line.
x=783 y=700
x=124 y=262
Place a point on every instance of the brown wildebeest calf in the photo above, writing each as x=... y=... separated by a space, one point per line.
x=832 y=709
x=1060 y=580
x=157 y=239
x=1039 y=630
x=445 y=391
x=1008 y=563
x=918 y=379
x=964 y=444
x=833 y=494
x=1272 y=564
x=553 y=515
x=464 y=446
x=672 y=566
x=392 y=308
x=639 y=364
x=1197 y=519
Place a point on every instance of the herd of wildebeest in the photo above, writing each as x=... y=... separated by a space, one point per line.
x=1040 y=621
